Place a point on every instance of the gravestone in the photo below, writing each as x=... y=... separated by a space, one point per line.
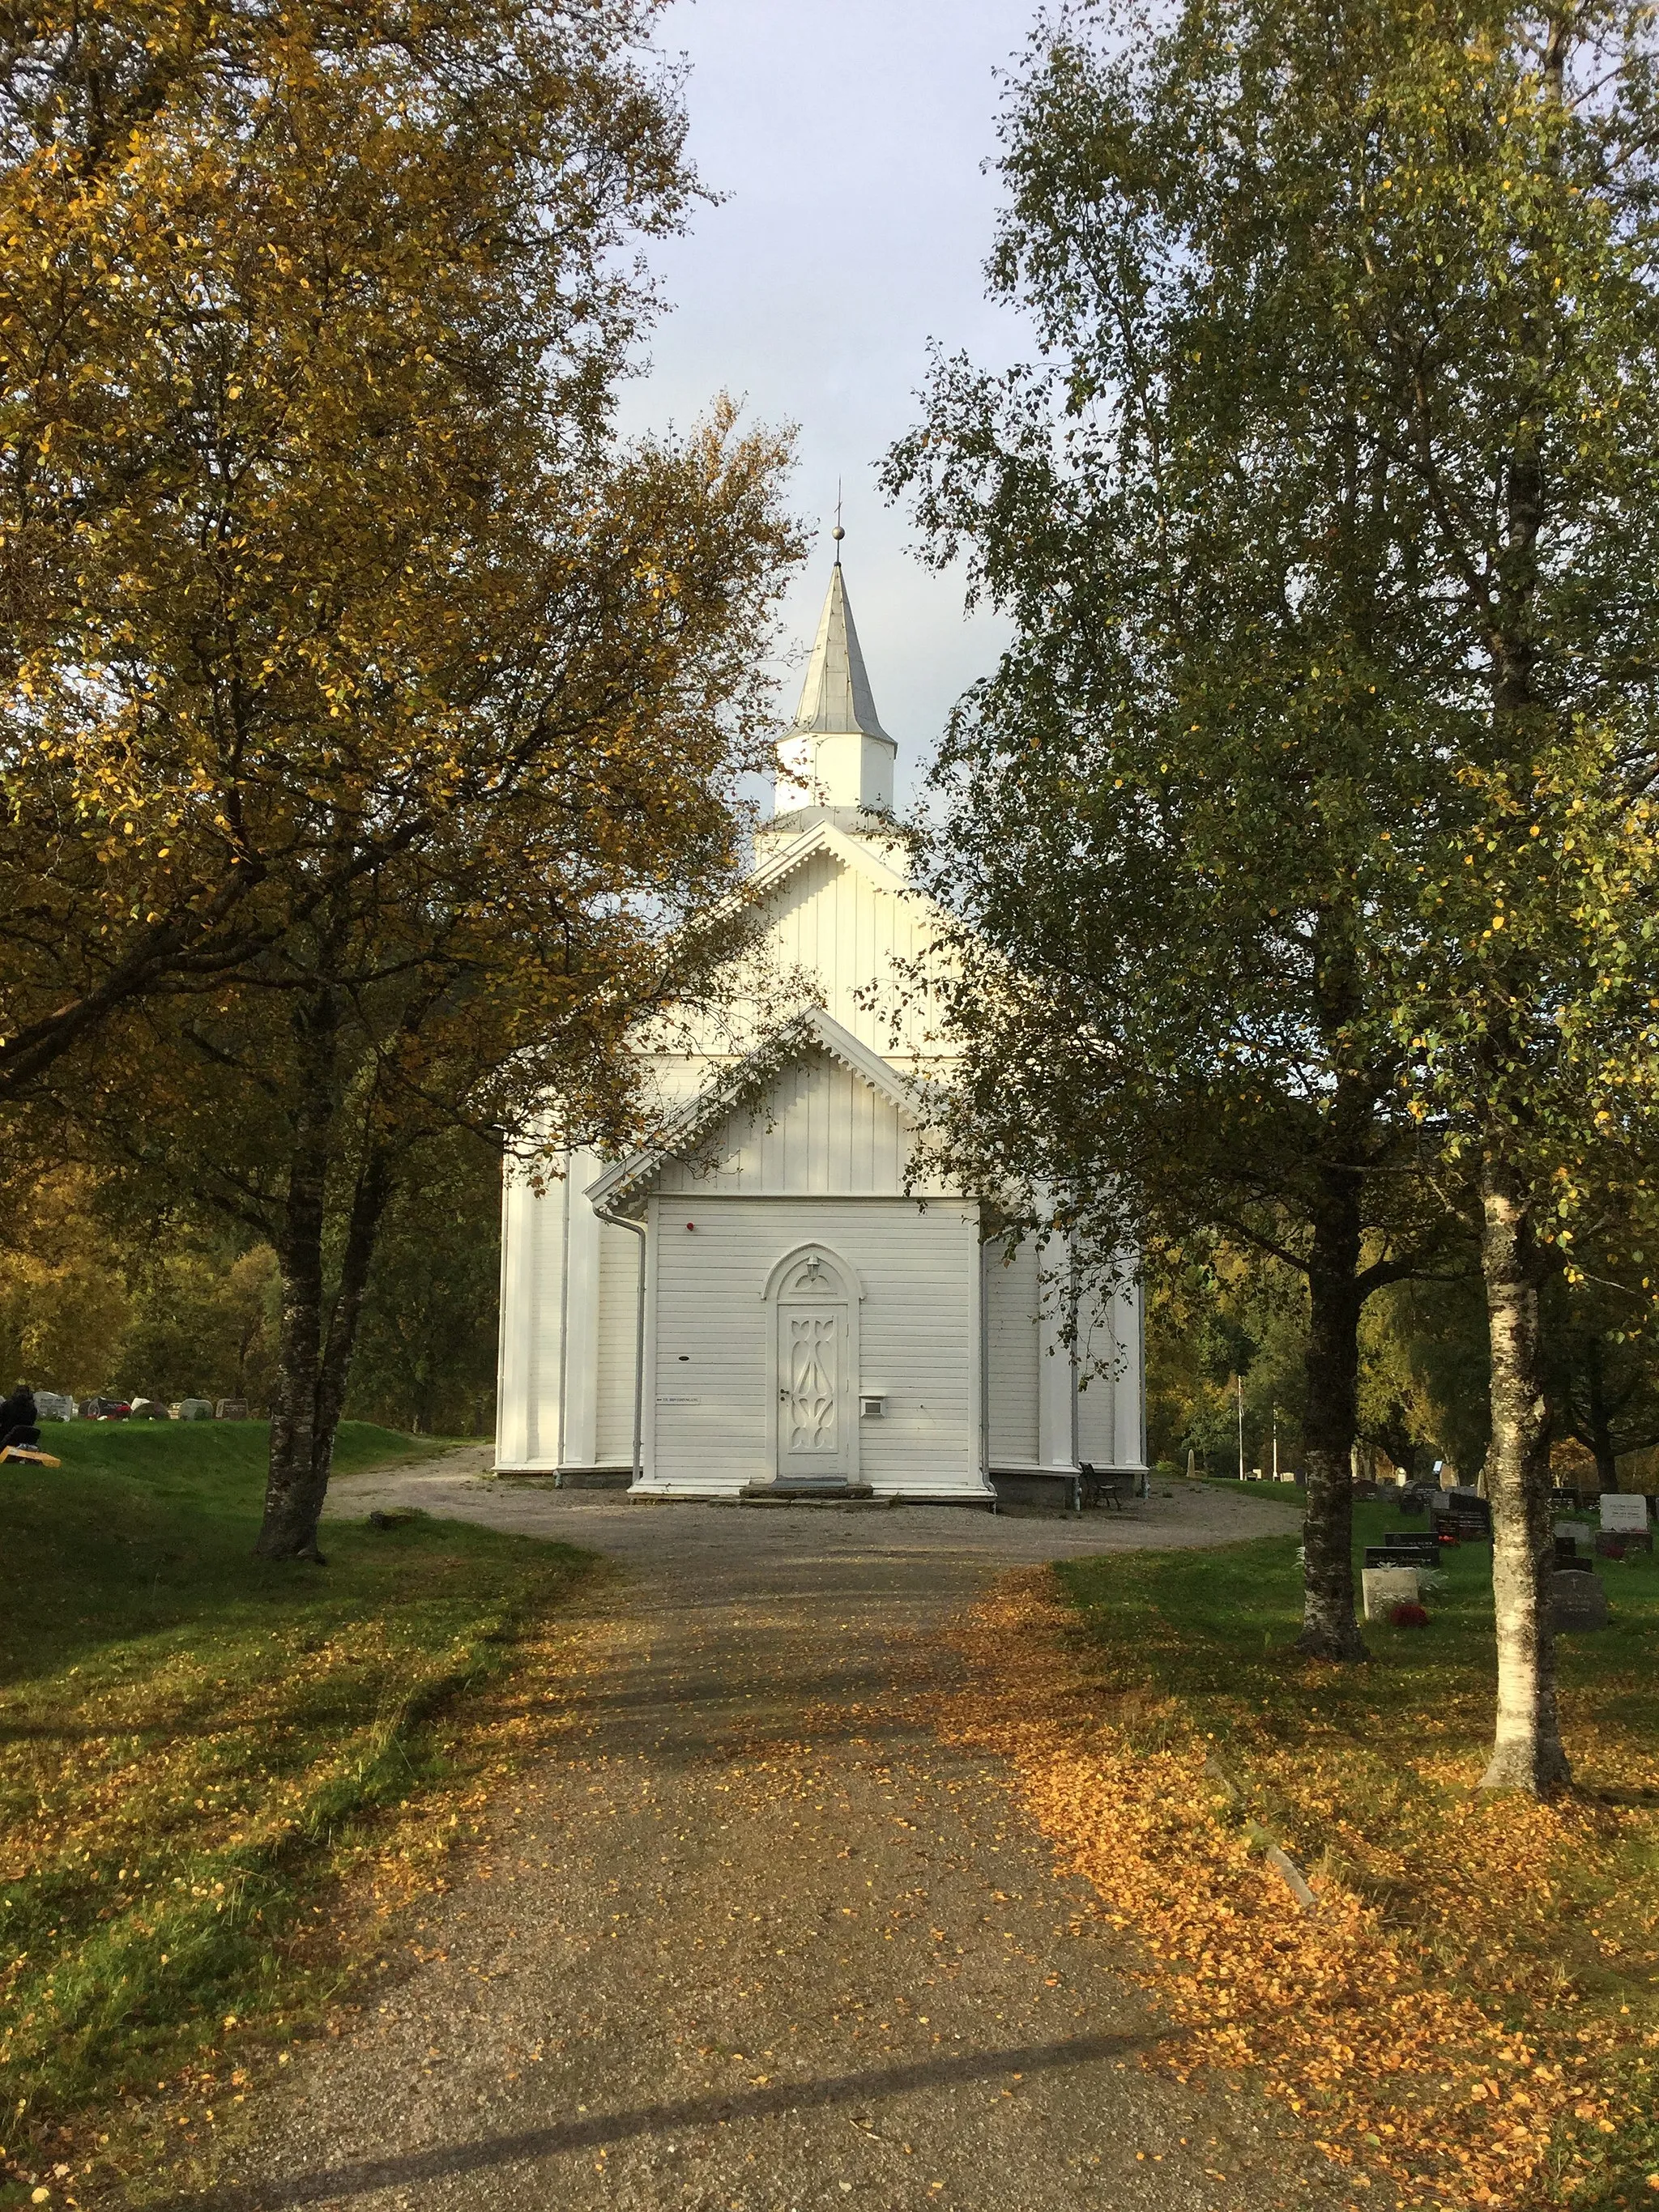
x=1467 y=1516
x=1572 y=1532
x=49 y=1407
x=1577 y=1600
x=196 y=1409
x=1408 y=1551
x=1624 y=1513
x=1384 y=1588
x=231 y=1409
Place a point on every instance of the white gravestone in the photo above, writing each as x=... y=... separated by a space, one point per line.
x=49 y=1407
x=1623 y=1515
x=1384 y=1588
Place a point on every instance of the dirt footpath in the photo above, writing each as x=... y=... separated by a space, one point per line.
x=760 y=1942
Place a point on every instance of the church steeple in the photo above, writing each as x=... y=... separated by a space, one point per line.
x=836 y=757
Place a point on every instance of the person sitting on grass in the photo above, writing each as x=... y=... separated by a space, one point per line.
x=19 y=1418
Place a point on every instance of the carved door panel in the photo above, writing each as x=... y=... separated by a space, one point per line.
x=812 y=1411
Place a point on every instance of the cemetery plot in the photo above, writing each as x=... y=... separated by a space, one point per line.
x=1468 y=1517
x=1618 y=1544
x=1473 y=2012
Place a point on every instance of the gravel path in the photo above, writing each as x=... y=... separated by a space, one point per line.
x=760 y=1942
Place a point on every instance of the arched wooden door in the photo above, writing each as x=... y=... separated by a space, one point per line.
x=814 y=1320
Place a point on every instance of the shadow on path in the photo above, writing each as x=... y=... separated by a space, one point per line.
x=757 y=1940
x=453 y=2160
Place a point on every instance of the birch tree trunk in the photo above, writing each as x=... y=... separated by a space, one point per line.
x=1329 y=1629
x=1527 y=1748
x=368 y=1206
x=291 y=1506
x=318 y=1339
x=318 y=1333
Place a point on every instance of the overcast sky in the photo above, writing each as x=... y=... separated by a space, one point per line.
x=848 y=136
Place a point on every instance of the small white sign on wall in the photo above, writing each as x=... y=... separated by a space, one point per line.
x=1622 y=1514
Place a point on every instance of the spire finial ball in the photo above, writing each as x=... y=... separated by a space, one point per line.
x=838 y=533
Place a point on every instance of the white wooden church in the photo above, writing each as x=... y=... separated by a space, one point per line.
x=758 y=1303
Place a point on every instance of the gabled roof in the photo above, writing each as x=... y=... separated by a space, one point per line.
x=858 y=853
x=836 y=697
x=747 y=1082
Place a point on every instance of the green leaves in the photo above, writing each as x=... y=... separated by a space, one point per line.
x=1326 y=531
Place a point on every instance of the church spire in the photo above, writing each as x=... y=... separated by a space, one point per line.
x=836 y=694
x=836 y=756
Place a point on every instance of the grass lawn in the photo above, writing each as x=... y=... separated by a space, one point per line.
x=1277 y=1494
x=1536 y=1927
x=198 y=1748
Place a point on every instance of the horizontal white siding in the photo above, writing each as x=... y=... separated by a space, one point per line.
x=917 y=1324
x=1012 y=1350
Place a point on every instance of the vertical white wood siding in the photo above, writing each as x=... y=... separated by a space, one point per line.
x=1012 y=1346
x=848 y=932
x=619 y=1277
x=1110 y=1422
x=530 y=1376
x=822 y=1130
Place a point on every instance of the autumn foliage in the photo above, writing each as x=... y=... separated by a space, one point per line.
x=1418 y=2024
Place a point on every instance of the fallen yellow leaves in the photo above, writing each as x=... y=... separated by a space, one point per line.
x=1345 y=2021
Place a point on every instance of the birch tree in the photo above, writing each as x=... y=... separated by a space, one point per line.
x=1353 y=315
x=1499 y=274
x=1168 y=811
